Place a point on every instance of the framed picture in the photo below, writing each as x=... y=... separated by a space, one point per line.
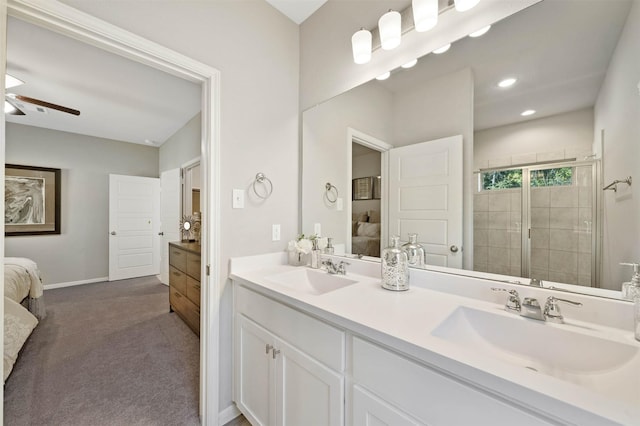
x=31 y=200
x=362 y=188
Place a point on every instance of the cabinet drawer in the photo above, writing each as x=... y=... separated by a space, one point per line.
x=178 y=258
x=193 y=265
x=318 y=339
x=187 y=310
x=193 y=290
x=178 y=280
x=426 y=394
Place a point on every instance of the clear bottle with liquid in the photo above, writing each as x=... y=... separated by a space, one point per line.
x=329 y=248
x=415 y=252
x=631 y=289
x=315 y=254
x=395 y=267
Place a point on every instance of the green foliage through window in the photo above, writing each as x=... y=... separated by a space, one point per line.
x=552 y=177
x=502 y=179
x=506 y=179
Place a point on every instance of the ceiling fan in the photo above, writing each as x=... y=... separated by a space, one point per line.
x=15 y=104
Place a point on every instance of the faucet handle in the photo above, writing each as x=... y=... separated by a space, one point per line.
x=341 y=267
x=513 y=302
x=552 y=310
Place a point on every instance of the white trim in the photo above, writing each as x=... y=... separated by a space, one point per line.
x=190 y=163
x=58 y=17
x=3 y=66
x=228 y=414
x=74 y=283
x=376 y=144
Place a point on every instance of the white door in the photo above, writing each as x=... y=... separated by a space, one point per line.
x=170 y=195
x=308 y=393
x=134 y=224
x=425 y=187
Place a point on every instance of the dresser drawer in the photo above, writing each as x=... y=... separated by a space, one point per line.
x=186 y=309
x=177 y=258
x=178 y=280
x=193 y=290
x=193 y=265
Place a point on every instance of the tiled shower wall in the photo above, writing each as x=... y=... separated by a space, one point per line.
x=497 y=225
x=561 y=231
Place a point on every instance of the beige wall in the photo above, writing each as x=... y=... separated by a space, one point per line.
x=617 y=113
x=81 y=251
x=256 y=49
x=182 y=146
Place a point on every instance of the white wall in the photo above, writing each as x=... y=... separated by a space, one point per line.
x=182 y=146
x=557 y=137
x=81 y=251
x=617 y=112
x=324 y=153
x=256 y=49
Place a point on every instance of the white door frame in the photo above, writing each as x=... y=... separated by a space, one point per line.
x=81 y=26
x=369 y=141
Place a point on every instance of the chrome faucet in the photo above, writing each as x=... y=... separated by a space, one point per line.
x=530 y=307
x=332 y=268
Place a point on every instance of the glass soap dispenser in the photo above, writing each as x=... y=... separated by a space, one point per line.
x=415 y=252
x=631 y=289
x=395 y=267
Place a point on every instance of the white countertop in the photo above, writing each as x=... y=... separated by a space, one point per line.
x=404 y=321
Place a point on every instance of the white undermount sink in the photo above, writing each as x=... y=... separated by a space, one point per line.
x=602 y=365
x=310 y=281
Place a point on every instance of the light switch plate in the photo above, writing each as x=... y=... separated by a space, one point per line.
x=238 y=198
x=275 y=232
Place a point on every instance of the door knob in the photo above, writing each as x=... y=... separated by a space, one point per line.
x=453 y=248
x=113 y=232
x=160 y=233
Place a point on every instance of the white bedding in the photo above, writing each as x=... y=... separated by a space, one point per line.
x=18 y=325
x=22 y=279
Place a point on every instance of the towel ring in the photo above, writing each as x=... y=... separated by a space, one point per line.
x=330 y=189
x=261 y=178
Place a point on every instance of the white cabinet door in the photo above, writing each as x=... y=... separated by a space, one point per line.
x=369 y=410
x=255 y=372
x=308 y=393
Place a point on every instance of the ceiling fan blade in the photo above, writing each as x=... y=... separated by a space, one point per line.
x=47 y=104
x=15 y=111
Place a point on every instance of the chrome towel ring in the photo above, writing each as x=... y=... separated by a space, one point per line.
x=331 y=193
x=266 y=182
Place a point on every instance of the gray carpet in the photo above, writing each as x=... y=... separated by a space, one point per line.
x=107 y=354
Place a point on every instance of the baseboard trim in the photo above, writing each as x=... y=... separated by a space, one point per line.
x=73 y=283
x=228 y=414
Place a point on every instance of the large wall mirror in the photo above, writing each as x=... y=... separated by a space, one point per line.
x=496 y=176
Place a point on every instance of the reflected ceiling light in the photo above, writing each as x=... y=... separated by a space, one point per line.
x=384 y=76
x=464 y=5
x=390 y=27
x=480 y=32
x=410 y=64
x=10 y=81
x=442 y=49
x=8 y=108
x=528 y=112
x=425 y=14
x=361 y=46
x=507 y=82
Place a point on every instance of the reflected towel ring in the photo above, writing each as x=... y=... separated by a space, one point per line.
x=261 y=178
x=330 y=189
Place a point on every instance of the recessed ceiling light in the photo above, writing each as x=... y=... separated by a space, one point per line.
x=442 y=49
x=10 y=81
x=383 y=76
x=480 y=32
x=149 y=142
x=507 y=82
x=410 y=64
x=528 y=112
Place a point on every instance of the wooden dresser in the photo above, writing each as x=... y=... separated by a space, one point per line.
x=184 y=283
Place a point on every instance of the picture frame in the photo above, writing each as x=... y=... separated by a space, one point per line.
x=362 y=188
x=31 y=200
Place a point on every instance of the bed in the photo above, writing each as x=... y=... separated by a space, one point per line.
x=22 y=286
x=365 y=239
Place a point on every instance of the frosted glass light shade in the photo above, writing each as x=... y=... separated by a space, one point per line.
x=10 y=81
x=425 y=14
x=361 y=45
x=464 y=5
x=390 y=26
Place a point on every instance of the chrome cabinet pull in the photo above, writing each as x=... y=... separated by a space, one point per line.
x=275 y=352
x=268 y=348
x=113 y=232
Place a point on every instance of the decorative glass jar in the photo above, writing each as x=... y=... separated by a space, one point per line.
x=415 y=252
x=395 y=267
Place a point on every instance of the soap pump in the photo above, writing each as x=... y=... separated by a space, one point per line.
x=631 y=289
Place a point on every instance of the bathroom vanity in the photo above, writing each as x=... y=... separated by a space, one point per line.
x=315 y=348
